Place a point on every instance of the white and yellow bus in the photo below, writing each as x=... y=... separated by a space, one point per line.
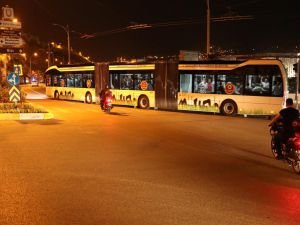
x=250 y=87
x=131 y=85
x=71 y=82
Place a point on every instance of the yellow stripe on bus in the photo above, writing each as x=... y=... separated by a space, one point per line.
x=72 y=69
x=132 y=67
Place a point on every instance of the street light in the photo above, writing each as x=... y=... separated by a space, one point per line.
x=35 y=55
x=67 y=30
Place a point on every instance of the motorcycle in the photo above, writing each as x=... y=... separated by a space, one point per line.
x=107 y=105
x=290 y=151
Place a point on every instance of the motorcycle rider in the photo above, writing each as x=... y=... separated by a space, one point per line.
x=288 y=115
x=104 y=93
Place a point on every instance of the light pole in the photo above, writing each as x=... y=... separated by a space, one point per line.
x=67 y=30
x=49 y=52
x=30 y=69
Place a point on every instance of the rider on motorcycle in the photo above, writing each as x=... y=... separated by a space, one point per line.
x=105 y=93
x=288 y=115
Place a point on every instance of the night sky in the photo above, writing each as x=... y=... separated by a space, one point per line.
x=275 y=25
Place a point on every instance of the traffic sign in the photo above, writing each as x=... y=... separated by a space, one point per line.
x=7 y=13
x=10 y=38
x=10 y=41
x=18 y=69
x=10 y=33
x=10 y=24
x=13 y=79
x=14 y=94
x=11 y=50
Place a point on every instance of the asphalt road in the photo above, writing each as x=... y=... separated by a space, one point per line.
x=136 y=167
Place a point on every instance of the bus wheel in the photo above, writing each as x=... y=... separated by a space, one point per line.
x=228 y=108
x=56 y=95
x=143 y=102
x=88 y=98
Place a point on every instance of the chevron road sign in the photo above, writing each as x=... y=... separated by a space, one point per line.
x=14 y=94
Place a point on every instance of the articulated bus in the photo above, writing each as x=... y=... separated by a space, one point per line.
x=250 y=87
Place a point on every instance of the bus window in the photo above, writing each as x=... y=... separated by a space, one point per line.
x=260 y=80
x=277 y=86
x=126 y=81
x=78 y=80
x=234 y=84
x=221 y=79
x=70 y=80
x=61 y=81
x=55 y=81
x=114 y=81
x=87 y=80
x=48 y=80
x=143 y=81
x=186 y=83
x=257 y=85
x=204 y=83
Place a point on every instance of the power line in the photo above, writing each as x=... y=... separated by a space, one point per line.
x=163 y=24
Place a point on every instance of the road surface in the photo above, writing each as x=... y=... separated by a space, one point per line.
x=142 y=167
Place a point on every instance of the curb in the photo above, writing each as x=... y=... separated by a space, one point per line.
x=25 y=116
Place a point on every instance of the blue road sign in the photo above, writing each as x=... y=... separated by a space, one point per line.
x=13 y=79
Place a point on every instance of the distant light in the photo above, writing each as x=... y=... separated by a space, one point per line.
x=15 y=20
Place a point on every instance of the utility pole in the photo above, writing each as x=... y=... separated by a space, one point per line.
x=67 y=30
x=69 y=47
x=207 y=29
x=49 y=55
x=209 y=19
